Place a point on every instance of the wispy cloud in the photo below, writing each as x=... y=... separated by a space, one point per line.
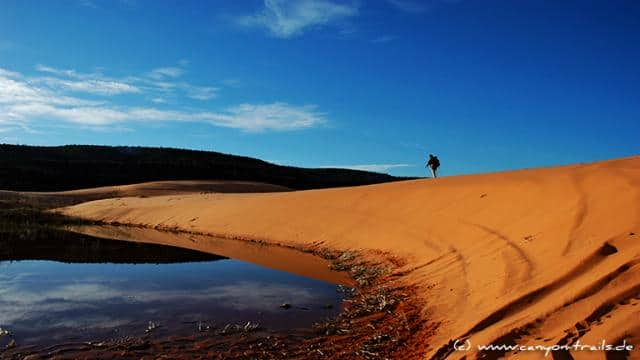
x=161 y=81
x=25 y=100
x=381 y=168
x=276 y=116
x=9 y=74
x=58 y=72
x=92 y=83
x=247 y=117
x=289 y=18
x=15 y=90
x=91 y=86
x=166 y=72
x=201 y=92
x=159 y=100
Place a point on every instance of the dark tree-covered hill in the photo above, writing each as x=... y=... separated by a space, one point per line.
x=38 y=168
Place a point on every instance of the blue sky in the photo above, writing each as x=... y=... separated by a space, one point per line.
x=376 y=84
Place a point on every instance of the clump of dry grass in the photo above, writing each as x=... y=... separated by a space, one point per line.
x=377 y=317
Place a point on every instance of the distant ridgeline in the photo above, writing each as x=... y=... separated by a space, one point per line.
x=36 y=168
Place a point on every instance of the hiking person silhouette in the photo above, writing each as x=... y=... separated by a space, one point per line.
x=433 y=164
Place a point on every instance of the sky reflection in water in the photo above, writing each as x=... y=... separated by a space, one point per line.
x=45 y=302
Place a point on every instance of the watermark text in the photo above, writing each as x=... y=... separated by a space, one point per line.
x=465 y=345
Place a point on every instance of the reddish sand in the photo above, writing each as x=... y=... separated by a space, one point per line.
x=538 y=257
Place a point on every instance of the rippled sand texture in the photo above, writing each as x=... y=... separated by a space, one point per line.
x=545 y=256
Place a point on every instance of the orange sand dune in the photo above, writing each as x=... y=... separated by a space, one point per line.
x=538 y=257
x=155 y=188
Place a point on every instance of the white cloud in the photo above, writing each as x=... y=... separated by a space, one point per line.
x=58 y=72
x=159 y=100
x=164 y=86
x=166 y=72
x=380 y=168
x=91 y=86
x=202 y=92
x=276 y=116
x=159 y=80
x=97 y=116
x=17 y=91
x=9 y=74
x=92 y=83
x=289 y=18
x=24 y=101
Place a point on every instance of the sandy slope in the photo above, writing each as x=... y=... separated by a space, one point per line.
x=539 y=257
x=155 y=188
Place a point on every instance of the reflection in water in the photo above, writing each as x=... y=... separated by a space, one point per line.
x=274 y=257
x=46 y=302
x=88 y=249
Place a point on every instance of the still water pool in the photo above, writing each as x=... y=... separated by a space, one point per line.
x=124 y=294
